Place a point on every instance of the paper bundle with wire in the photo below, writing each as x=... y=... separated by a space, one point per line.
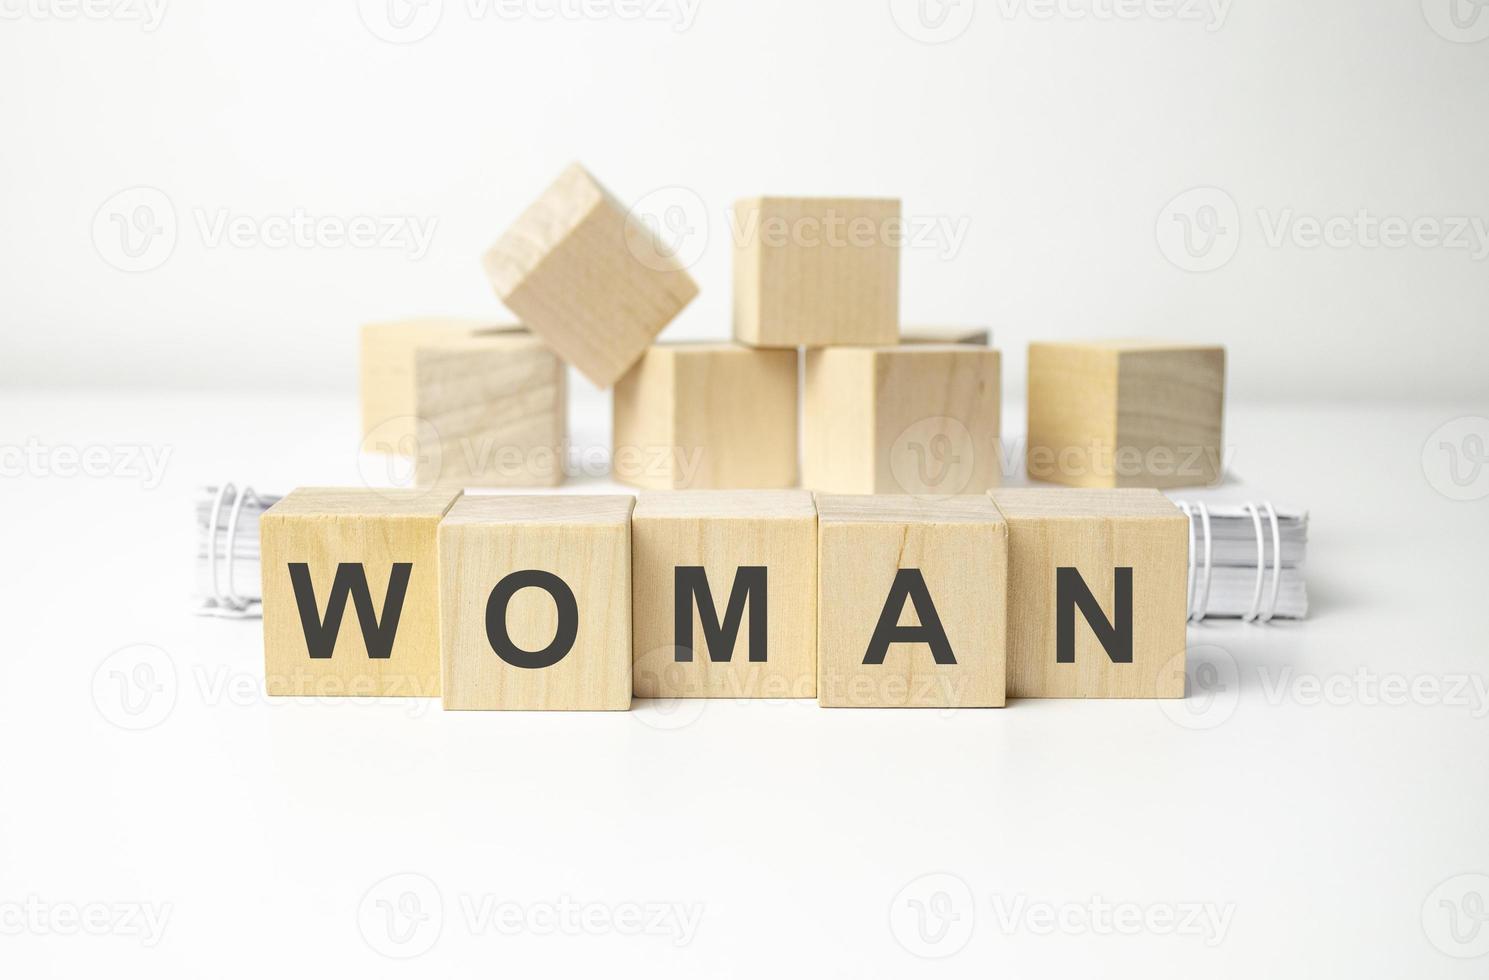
x=1246 y=561
x=227 y=557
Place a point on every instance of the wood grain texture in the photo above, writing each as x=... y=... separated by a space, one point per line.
x=919 y=334
x=1126 y=413
x=814 y=272
x=583 y=540
x=325 y=528
x=959 y=545
x=722 y=531
x=472 y=404
x=1096 y=532
x=707 y=416
x=921 y=419
x=592 y=281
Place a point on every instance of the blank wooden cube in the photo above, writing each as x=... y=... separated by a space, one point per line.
x=589 y=278
x=707 y=416
x=725 y=594
x=351 y=597
x=472 y=404
x=911 y=601
x=920 y=419
x=816 y=271
x=1098 y=593
x=1126 y=413
x=535 y=602
x=980 y=336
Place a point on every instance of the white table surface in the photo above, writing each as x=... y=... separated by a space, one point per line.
x=1323 y=830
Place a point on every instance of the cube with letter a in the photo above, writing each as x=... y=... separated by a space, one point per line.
x=350 y=589
x=535 y=602
x=911 y=601
x=725 y=594
x=1098 y=593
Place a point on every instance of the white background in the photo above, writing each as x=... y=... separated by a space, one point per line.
x=1337 y=828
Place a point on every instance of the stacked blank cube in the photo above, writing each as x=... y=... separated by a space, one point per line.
x=590 y=279
x=707 y=416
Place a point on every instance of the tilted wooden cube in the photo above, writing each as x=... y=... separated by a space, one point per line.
x=351 y=597
x=725 y=586
x=707 y=416
x=980 y=336
x=1126 y=413
x=471 y=404
x=589 y=278
x=535 y=602
x=1098 y=593
x=919 y=419
x=912 y=601
x=816 y=271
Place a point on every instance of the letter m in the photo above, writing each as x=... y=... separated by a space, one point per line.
x=350 y=582
x=690 y=589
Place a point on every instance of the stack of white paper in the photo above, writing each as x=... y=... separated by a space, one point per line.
x=1246 y=561
x=227 y=555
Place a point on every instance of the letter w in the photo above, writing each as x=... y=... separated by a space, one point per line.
x=350 y=581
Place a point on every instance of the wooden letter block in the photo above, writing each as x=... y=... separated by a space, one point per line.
x=911 y=601
x=1098 y=598
x=707 y=416
x=471 y=405
x=351 y=592
x=918 y=419
x=535 y=602
x=814 y=272
x=978 y=336
x=726 y=594
x=1126 y=413
x=589 y=278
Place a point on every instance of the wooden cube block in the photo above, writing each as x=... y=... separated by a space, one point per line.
x=535 y=602
x=1098 y=593
x=1126 y=413
x=725 y=594
x=980 y=336
x=471 y=404
x=911 y=601
x=351 y=594
x=816 y=271
x=589 y=278
x=919 y=419
x=707 y=416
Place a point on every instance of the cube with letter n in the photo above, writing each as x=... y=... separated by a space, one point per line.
x=350 y=587
x=1098 y=593
x=535 y=602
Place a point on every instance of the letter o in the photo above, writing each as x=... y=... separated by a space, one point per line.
x=563 y=636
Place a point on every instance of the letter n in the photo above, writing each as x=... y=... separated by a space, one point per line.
x=1115 y=635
